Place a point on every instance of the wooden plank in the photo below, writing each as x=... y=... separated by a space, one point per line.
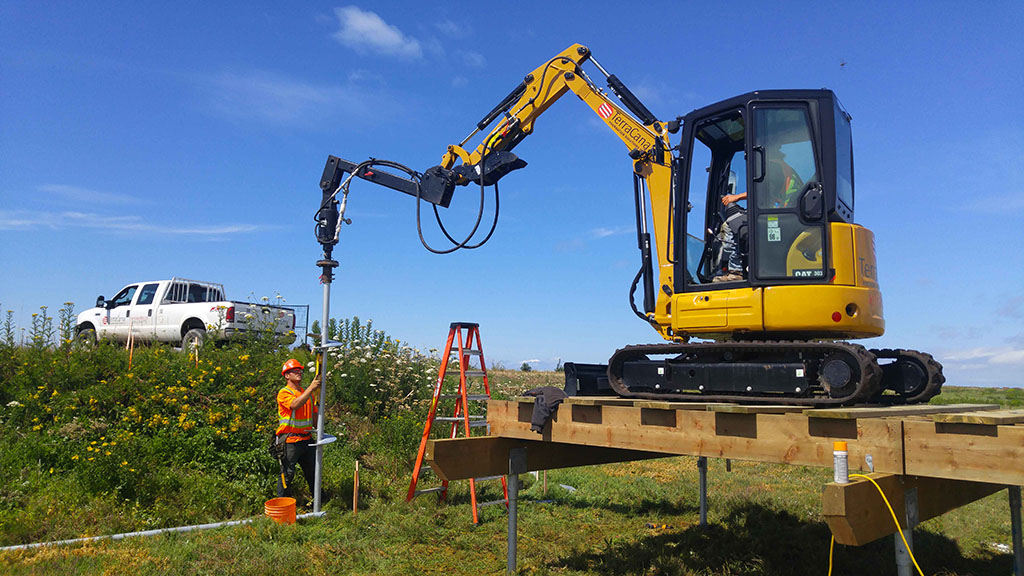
x=599 y=401
x=755 y=409
x=781 y=438
x=856 y=513
x=659 y=405
x=983 y=453
x=477 y=457
x=994 y=417
x=891 y=411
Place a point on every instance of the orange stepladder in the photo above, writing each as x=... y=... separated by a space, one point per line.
x=461 y=338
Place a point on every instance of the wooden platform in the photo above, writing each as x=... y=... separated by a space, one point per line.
x=939 y=457
x=976 y=442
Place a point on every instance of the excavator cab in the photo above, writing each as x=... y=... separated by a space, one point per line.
x=766 y=179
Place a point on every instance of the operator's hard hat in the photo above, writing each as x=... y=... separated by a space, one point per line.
x=291 y=364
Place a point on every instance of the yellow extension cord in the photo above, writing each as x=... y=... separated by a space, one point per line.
x=894 y=519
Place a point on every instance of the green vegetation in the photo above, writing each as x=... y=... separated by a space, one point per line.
x=92 y=447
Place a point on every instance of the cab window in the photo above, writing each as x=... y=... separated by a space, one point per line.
x=844 y=158
x=785 y=137
x=124 y=297
x=147 y=294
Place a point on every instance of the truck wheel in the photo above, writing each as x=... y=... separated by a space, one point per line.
x=86 y=337
x=193 y=339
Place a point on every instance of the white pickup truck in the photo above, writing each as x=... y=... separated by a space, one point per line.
x=180 y=311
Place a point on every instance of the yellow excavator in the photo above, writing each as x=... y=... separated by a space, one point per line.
x=758 y=255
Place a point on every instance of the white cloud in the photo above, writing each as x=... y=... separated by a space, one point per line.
x=451 y=29
x=80 y=195
x=1009 y=357
x=276 y=99
x=366 y=32
x=604 y=232
x=1001 y=355
x=472 y=59
x=28 y=220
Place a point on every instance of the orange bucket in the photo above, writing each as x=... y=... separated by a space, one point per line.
x=281 y=510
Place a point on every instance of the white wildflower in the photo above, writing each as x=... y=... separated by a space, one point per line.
x=13 y=404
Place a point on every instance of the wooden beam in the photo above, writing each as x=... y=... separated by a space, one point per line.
x=477 y=457
x=599 y=401
x=979 y=452
x=755 y=409
x=780 y=438
x=856 y=513
x=890 y=411
x=995 y=417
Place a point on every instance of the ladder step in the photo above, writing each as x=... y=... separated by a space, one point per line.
x=491 y=503
x=472 y=418
x=428 y=490
x=469 y=373
x=470 y=397
x=472 y=423
x=466 y=352
x=485 y=478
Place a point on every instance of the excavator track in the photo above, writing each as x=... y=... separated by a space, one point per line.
x=912 y=377
x=775 y=372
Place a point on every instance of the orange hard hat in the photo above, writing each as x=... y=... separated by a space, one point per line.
x=291 y=364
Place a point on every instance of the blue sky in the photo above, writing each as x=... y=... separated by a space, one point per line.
x=141 y=142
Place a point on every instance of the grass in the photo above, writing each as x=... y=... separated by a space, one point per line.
x=764 y=519
x=621 y=519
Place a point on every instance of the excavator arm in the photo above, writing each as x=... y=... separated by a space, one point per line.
x=646 y=139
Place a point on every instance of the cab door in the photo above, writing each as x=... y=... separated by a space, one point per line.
x=788 y=231
x=119 y=312
x=143 y=322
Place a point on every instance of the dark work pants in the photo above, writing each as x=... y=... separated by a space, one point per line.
x=304 y=455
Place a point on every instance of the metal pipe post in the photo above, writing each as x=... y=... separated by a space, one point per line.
x=323 y=394
x=516 y=466
x=702 y=468
x=904 y=564
x=1015 y=530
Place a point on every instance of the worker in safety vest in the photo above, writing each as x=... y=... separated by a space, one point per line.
x=783 y=181
x=296 y=413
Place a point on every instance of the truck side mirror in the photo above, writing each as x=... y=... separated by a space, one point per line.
x=100 y=303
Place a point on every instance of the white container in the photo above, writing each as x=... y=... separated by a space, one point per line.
x=841 y=464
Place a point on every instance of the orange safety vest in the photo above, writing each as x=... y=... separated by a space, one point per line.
x=297 y=423
x=791 y=184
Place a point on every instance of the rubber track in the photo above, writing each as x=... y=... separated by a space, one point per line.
x=932 y=367
x=866 y=389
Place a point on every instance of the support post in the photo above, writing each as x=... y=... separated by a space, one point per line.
x=327 y=266
x=516 y=466
x=904 y=564
x=1015 y=529
x=702 y=468
x=323 y=387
